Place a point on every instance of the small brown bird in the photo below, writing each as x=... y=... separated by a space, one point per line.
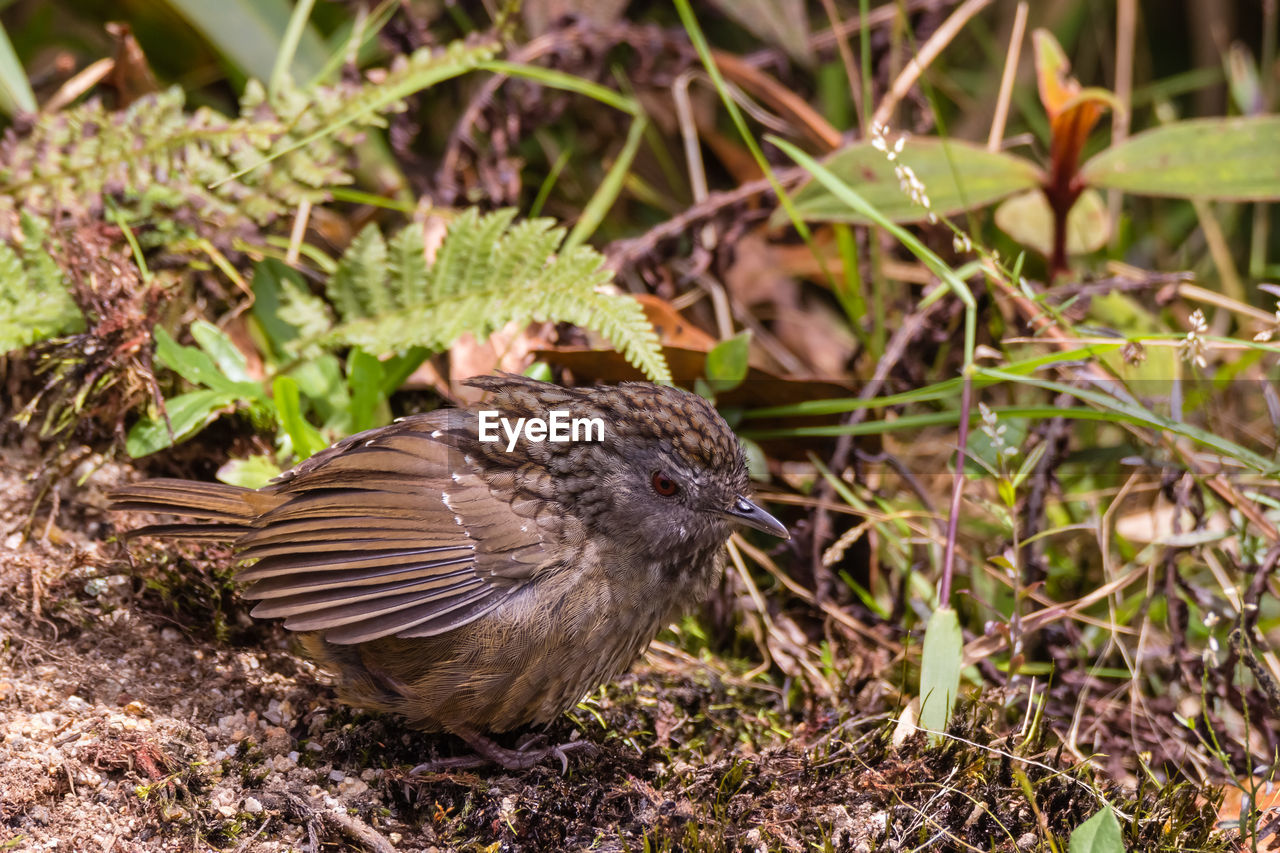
x=478 y=585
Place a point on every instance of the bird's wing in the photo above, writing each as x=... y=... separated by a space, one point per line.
x=391 y=532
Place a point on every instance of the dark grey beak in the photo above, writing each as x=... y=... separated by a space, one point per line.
x=746 y=513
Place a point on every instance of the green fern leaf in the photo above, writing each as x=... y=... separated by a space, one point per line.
x=359 y=286
x=487 y=273
x=34 y=301
x=407 y=265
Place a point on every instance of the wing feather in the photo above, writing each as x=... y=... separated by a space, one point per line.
x=392 y=532
x=344 y=605
x=304 y=565
x=424 y=620
x=284 y=585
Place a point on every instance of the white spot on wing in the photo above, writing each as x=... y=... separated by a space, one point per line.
x=457 y=519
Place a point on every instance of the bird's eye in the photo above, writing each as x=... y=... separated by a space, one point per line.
x=664 y=485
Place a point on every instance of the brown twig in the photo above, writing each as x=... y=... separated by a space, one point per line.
x=623 y=254
x=996 y=134
x=1116 y=284
x=924 y=57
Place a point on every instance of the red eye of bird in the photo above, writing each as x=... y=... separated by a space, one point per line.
x=664 y=485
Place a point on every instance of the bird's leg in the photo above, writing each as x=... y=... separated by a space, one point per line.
x=487 y=750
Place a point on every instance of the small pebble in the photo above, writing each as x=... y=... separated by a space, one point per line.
x=352 y=787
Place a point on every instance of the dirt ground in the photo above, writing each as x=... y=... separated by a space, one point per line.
x=142 y=710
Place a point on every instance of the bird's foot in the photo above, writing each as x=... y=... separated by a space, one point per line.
x=528 y=754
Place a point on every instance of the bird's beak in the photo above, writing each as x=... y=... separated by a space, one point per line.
x=746 y=513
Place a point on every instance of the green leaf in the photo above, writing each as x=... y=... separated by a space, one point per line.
x=727 y=362
x=1029 y=465
x=1214 y=158
x=288 y=49
x=1098 y=834
x=940 y=670
x=305 y=438
x=398 y=368
x=407 y=264
x=984 y=454
x=1027 y=218
x=364 y=378
x=540 y=371
x=854 y=200
x=285 y=309
x=188 y=414
x=252 y=473
x=757 y=460
x=553 y=79
x=250 y=32
x=225 y=354
x=321 y=381
x=957 y=176
x=195 y=366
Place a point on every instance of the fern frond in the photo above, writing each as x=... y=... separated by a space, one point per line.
x=204 y=166
x=487 y=273
x=34 y=301
x=360 y=106
x=359 y=287
x=408 y=265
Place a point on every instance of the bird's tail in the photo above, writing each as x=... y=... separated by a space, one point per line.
x=224 y=512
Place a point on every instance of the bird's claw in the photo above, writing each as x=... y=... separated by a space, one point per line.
x=528 y=753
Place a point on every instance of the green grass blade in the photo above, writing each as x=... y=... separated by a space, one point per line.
x=567 y=82
x=15 y=90
x=607 y=193
x=289 y=45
